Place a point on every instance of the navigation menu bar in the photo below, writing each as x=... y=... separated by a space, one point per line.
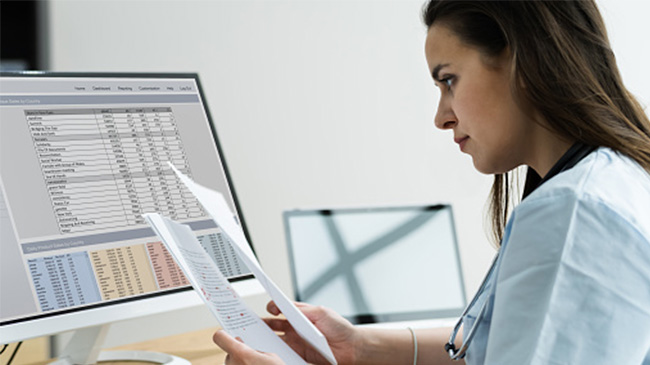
x=17 y=85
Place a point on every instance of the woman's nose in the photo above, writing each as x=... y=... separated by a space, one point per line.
x=445 y=117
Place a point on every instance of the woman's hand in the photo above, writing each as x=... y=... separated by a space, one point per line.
x=343 y=338
x=240 y=353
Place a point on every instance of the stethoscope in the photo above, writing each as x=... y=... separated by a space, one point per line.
x=450 y=347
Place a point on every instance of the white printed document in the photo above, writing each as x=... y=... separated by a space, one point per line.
x=225 y=304
x=208 y=281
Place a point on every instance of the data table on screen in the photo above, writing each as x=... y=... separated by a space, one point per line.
x=104 y=168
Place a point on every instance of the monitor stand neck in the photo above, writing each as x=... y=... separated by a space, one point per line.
x=86 y=344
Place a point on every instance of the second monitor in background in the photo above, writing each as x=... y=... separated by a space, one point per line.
x=377 y=264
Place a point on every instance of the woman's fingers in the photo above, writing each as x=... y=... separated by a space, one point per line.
x=229 y=344
x=240 y=354
x=278 y=324
x=272 y=308
x=312 y=312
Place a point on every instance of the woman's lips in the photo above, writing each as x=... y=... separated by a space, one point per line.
x=461 y=142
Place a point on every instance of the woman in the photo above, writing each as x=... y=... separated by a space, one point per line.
x=531 y=83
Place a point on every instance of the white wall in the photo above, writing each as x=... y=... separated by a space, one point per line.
x=317 y=103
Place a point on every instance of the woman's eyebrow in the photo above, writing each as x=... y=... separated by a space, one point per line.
x=436 y=71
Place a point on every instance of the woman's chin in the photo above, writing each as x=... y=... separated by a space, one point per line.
x=487 y=168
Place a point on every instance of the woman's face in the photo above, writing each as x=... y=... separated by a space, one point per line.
x=477 y=104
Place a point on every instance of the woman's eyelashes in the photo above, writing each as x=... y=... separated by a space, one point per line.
x=447 y=80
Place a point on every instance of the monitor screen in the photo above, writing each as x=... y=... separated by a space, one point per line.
x=82 y=157
x=377 y=264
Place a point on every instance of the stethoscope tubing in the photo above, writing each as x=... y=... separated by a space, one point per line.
x=460 y=353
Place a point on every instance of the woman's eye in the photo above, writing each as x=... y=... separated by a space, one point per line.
x=448 y=80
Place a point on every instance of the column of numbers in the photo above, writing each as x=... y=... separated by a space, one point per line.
x=104 y=168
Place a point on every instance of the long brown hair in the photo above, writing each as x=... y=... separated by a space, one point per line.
x=562 y=65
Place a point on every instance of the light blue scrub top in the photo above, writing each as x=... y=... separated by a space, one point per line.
x=572 y=283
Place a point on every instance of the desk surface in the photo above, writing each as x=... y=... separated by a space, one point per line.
x=196 y=347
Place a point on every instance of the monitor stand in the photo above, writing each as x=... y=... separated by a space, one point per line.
x=85 y=348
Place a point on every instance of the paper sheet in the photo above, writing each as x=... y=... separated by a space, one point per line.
x=215 y=204
x=215 y=290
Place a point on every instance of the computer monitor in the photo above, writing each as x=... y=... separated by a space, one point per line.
x=385 y=265
x=82 y=156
